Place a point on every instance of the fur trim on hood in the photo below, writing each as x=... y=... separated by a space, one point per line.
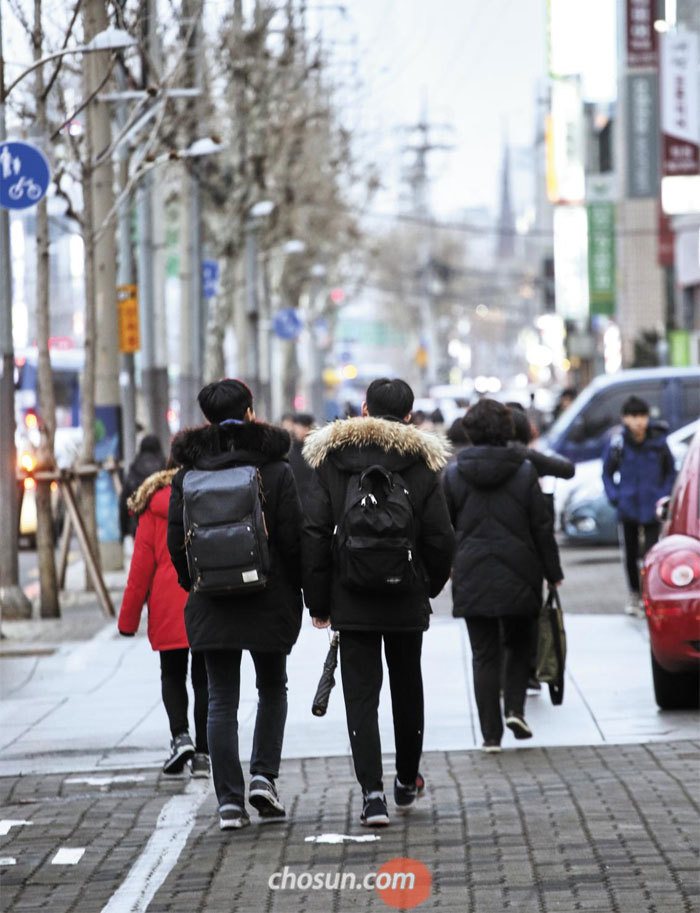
x=195 y=446
x=138 y=502
x=405 y=440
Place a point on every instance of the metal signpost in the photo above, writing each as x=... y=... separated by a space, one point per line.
x=24 y=180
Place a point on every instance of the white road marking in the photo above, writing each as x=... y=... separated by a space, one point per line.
x=342 y=838
x=7 y=860
x=7 y=823
x=105 y=781
x=68 y=855
x=161 y=853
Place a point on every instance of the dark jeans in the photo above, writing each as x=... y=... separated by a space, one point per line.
x=173 y=683
x=361 y=671
x=630 y=538
x=512 y=635
x=224 y=671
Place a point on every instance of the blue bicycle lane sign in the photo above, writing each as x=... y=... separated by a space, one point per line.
x=24 y=175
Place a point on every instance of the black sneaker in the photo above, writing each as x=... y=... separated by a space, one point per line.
x=181 y=751
x=264 y=797
x=534 y=685
x=232 y=818
x=491 y=746
x=517 y=725
x=374 y=811
x=201 y=766
x=405 y=796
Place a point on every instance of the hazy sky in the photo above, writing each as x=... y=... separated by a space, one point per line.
x=474 y=64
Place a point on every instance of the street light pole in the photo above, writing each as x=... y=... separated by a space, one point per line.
x=13 y=602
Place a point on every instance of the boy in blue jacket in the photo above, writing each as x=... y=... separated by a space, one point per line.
x=638 y=469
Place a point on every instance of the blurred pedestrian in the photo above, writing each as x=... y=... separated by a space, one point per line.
x=302 y=423
x=505 y=547
x=149 y=459
x=377 y=546
x=638 y=469
x=287 y=422
x=457 y=436
x=566 y=398
x=536 y=417
x=153 y=579
x=241 y=614
x=548 y=467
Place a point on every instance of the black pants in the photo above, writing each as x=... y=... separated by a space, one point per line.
x=173 y=681
x=512 y=637
x=224 y=671
x=630 y=535
x=361 y=671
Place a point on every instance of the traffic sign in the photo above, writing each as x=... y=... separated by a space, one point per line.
x=210 y=278
x=287 y=323
x=129 y=329
x=24 y=175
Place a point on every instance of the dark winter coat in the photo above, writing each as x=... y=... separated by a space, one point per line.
x=336 y=452
x=301 y=469
x=646 y=473
x=152 y=577
x=505 y=539
x=266 y=620
x=545 y=464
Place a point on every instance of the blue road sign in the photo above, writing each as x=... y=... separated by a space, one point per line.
x=24 y=175
x=287 y=323
x=210 y=278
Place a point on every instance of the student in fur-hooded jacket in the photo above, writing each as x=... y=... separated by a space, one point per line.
x=381 y=436
x=265 y=622
x=152 y=579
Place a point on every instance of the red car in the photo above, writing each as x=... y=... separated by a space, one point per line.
x=671 y=589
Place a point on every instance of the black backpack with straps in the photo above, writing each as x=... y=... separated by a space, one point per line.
x=375 y=536
x=226 y=539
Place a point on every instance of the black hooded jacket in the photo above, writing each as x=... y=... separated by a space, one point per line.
x=505 y=539
x=267 y=620
x=337 y=451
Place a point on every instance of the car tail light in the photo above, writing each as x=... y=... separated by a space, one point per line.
x=680 y=569
x=27 y=462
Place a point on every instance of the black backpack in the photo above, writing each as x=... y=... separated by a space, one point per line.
x=225 y=533
x=375 y=535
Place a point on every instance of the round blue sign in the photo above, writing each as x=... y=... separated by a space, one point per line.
x=24 y=175
x=287 y=323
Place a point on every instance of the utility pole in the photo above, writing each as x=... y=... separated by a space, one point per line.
x=154 y=372
x=107 y=398
x=191 y=335
x=13 y=602
x=418 y=183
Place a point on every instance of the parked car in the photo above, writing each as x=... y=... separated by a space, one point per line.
x=586 y=515
x=671 y=590
x=582 y=431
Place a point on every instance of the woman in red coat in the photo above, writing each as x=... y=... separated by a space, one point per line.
x=153 y=579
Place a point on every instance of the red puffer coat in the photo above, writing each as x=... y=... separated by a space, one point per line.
x=152 y=576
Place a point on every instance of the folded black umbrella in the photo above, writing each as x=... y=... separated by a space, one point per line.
x=327 y=680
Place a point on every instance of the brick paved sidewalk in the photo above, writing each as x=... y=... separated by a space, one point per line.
x=610 y=829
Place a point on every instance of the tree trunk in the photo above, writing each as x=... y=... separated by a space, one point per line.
x=87 y=411
x=47 y=401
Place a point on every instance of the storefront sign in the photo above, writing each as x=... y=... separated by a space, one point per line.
x=642 y=135
x=680 y=104
x=641 y=36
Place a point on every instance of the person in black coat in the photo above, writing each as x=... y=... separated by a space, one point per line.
x=505 y=547
x=302 y=423
x=266 y=622
x=149 y=459
x=380 y=436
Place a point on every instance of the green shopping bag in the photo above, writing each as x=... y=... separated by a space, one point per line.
x=551 y=646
